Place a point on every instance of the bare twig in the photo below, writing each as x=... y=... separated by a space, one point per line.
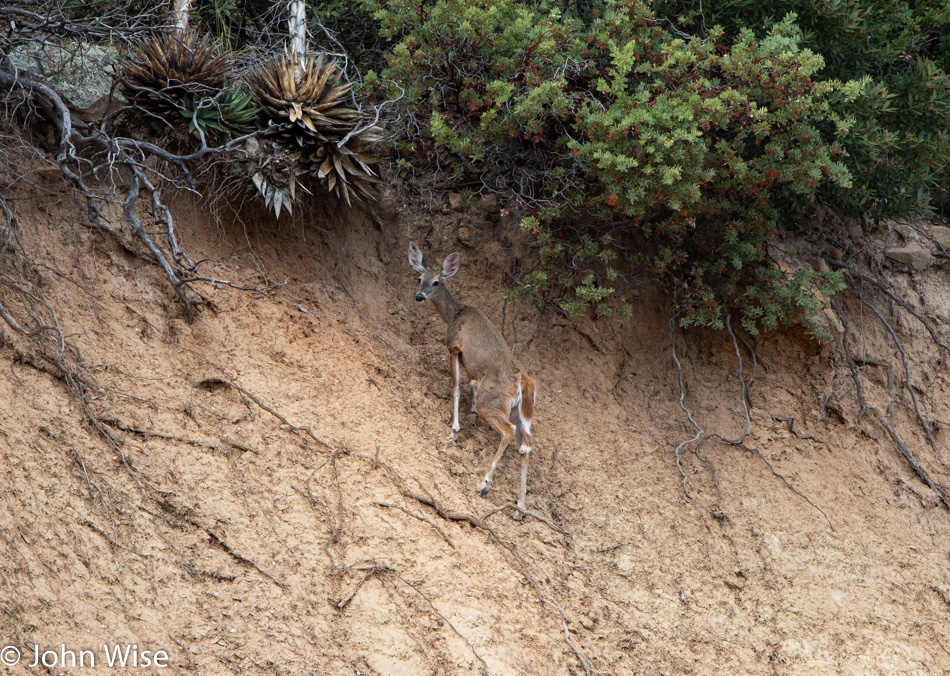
x=421 y=518
x=511 y=505
x=295 y=428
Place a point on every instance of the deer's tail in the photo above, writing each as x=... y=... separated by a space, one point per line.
x=526 y=406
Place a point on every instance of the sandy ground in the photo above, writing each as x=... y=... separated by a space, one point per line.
x=215 y=531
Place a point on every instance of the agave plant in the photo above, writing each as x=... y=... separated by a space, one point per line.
x=231 y=112
x=305 y=105
x=170 y=67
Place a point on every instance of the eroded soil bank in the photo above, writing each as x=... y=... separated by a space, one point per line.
x=213 y=530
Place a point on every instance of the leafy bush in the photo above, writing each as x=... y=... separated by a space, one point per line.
x=686 y=151
x=898 y=146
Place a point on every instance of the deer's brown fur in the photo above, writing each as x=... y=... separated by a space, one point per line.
x=503 y=395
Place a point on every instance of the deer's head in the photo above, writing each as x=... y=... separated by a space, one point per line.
x=429 y=278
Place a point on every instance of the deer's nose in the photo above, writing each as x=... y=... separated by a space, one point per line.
x=420 y=297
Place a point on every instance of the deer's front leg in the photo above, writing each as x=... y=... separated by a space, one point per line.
x=454 y=362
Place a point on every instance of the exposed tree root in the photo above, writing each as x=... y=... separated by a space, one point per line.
x=942 y=491
x=306 y=429
x=702 y=436
x=480 y=524
x=804 y=437
x=421 y=518
x=444 y=619
x=907 y=379
x=129 y=157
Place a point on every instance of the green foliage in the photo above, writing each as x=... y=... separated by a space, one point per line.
x=700 y=142
x=229 y=113
x=573 y=272
x=898 y=146
x=686 y=151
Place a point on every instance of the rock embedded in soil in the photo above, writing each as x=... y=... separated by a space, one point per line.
x=465 y=236
x=912 y=255
x=489 y=204
x=941 y=233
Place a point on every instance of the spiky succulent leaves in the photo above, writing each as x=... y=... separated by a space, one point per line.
x=346 y=170
x=231 y=112
x=308 y=113
x=168 y=68
x=275 y=178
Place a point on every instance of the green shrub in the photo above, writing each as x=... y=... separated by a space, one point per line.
x=685 y=151
x=898 y=147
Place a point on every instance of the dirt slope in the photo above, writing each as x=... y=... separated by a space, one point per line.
x=219 y=534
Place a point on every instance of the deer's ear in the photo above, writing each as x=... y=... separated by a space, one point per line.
x=450 y=265
x=415 y=258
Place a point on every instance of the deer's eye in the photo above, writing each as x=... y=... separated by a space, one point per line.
x=435 y=282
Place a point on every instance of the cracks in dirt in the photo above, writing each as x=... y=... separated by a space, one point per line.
x=701 y=436
x=480 y=523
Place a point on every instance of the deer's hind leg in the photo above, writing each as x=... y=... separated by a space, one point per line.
x=499 y=420
x=523 y=443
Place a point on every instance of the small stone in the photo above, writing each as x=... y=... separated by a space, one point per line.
x=912 y=255
x=835 y=253
x=904 y=230
x=489 y=204
x=820 y=265
x=455 y=201
x=465 y=236
x=941 y=233
x=856 y=231
x=386 y=208
x=252 y=146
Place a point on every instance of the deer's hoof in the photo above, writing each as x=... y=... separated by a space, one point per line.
x=485 y=486
x=517 y=516
x=454 y=435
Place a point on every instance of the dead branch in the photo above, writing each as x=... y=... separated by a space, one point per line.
x=421 y=518
x=525 y=512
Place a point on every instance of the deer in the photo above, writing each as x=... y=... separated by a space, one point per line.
x=503 y=395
